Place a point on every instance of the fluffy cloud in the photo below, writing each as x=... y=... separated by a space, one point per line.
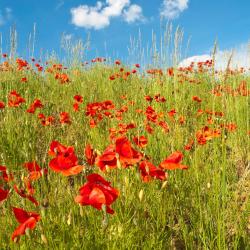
x=133 y=13
x=5 y=16
x=99 y=16
x=240 y=58
x=115 y=7
x=89 y=17
x=171 y=9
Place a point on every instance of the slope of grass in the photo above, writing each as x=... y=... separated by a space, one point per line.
x=203 y=207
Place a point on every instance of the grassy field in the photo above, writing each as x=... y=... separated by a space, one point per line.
x=196 y=129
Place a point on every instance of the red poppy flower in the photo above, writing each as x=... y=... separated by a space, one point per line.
x=149 y=171
x=62 y=77
x=24 y=79
x=231 y=127
x=173 y=162
x=170 y=71
x=92 y=123
x=189 y=146
x=151 y=114
x=41 y=116
x=27 y=194
x=90 y=154
x=164 y=126
x=158 y=98
x=107 y=105
x=78 y=98
x=64 y=118
x=127 y=155
x=76 y=107
x=96 y=193
x=148 y=98
x=196 y=99
x=172 y=113
x=4 y=176
x=46 y=121
x=21 y=63
x=108 y=158
x=15 y=99
x=117 y=62
x=35 y=172
x=205 y=134
x=181 y=120
x=65 y=160
x=112 y=78
x=141 y=141
x=149 y=129
x=26 y=220
x=36 y=104
x=3 y=194
x=2 y=105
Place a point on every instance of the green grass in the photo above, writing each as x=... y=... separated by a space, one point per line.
x=204 y=207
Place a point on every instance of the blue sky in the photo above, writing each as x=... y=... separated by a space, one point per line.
x=112 y=22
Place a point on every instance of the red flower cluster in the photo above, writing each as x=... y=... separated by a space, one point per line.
x=205 y=134
x=154 y=118
x=21 y=64
x=15 y=99
x=98 y=110
x=78 y=100
x=46 y=121
x=62 y=77
x=122 y=151
x=64 y=118
x=149 y=171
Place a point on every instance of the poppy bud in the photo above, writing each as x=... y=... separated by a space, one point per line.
x=119 y=166
x=107 y=168
x=164 y=184
x=81 y=211
x=43 y=212
x=44 y=239
x=69 y=219
x=45 y=203
x=27 y=232
x=141 y=195
x=126 y=181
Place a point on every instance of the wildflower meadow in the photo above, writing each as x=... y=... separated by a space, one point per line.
x=105 y=156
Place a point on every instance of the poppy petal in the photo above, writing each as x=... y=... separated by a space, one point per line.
x=72 y=171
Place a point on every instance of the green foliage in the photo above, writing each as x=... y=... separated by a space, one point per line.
x=205 y=207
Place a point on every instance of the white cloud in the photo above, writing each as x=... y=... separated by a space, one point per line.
x=115 y=7
x=99 y=16
x=171 y=9
x=133 y=13
x=5 y=16
x=240 y=58
x=89 y=17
